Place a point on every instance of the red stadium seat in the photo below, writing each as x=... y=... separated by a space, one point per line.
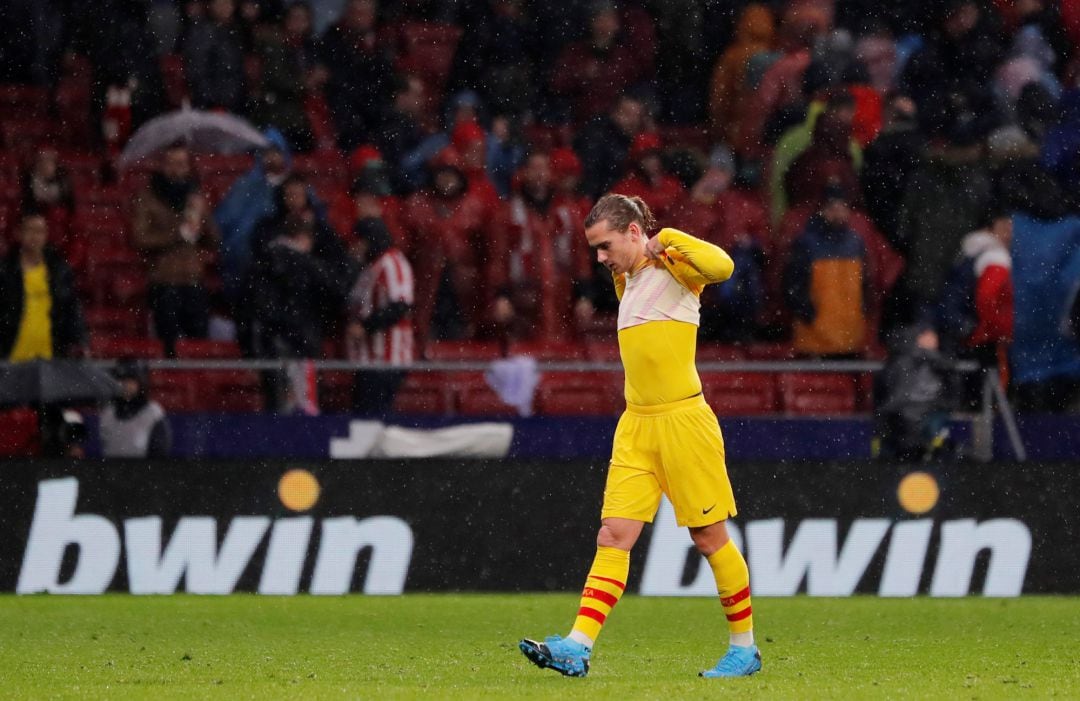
x=230 y=391
x=119 y=347
x=335 y=391
x=111 y=321
x=473 y=396
x=175 y=391
x=770 y=351
x=548 y=350
x=817 y=393
x=199 y=348
x=448 y=351
x=602 y=350
x=719 y=352
x=28 y=102
x=425 y=393
x=580 y=394
x=739 y=394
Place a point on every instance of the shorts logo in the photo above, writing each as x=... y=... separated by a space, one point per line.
x=706 y=511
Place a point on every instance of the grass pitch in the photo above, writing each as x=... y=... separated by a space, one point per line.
x=464 y=647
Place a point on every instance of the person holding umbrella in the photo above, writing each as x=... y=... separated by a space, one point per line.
x=40 y=314
x=175 y=232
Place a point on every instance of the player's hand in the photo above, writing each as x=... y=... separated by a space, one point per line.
x=654 y=249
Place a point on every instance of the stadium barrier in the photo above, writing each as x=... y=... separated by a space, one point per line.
x=387 y=527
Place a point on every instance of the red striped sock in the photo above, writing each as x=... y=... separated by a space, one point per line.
x=603 y=588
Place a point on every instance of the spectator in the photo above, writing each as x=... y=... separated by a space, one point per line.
x=912 y=404
x=591 y=74
x=252 y=198
x=495 y=58
x=404 y=126
x=277 y=97
x=753 y=35
x=380 y=329
x=173 y=229
x=826 y=283
x=944 y=200
x=47 y=190
x=781 y=84
x=535 y=279
x=975 y=313
x=593 y=289
x=449 y=228
x=957 y=59
x=647 y=178
x=295 y=201
x=827 y=126
x=889 y=161
x=214 y=59
x=360 y=73
x=604 y=144
x=40 y=313
x=46 y=187
x=832 y=156
x=289 y=288
x=133 y=425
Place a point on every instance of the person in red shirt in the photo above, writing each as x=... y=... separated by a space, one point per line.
x=380 y=329
x=647 y=178
x=536 y=280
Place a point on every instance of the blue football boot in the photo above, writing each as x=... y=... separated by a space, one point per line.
x=738 y=662
x=565 y=656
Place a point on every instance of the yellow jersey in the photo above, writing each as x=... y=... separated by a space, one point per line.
x=34 y=339
x=659 y=314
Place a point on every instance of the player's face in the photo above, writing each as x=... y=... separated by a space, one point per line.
x=619 y=251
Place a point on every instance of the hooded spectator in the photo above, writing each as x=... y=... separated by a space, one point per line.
x=133 y=425
x=603 y=144
x=754 y=34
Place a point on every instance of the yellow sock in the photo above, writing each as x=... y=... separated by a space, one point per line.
x=603 y=588
x=733 y=584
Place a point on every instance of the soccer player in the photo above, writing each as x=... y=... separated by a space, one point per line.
x=667 y=441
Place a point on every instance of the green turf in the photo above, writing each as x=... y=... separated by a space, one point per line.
x=464 y=647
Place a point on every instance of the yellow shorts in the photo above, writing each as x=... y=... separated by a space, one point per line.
x=675 y=449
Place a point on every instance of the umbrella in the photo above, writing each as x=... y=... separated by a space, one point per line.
x=212 y=132
x=40 y=382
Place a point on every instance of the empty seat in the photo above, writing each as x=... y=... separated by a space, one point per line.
x=230 y=391
x=548 y=350
x=740 y=394
x=200 y=348
x=770 y=351
x=126 y=346
x=602 y=350
x=580 y=394
x=719 y=352
x=425 y=392
x=463 y=350
x=817 y=393
x=113 y=321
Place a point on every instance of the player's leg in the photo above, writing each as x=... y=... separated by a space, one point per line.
x=631 y=497
x=695 y=477
x=733 y=584
x=606 y=582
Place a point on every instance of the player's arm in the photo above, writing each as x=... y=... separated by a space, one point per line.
x=710 y=262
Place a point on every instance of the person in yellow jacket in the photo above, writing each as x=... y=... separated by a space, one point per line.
x=668 y=441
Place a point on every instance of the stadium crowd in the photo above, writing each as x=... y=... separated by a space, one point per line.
x=431 y=163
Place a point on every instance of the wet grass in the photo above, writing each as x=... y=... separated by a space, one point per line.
x=464 y=647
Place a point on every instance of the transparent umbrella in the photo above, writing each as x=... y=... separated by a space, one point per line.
x=210 y=132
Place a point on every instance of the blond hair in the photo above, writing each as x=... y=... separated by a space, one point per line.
x=619 y=211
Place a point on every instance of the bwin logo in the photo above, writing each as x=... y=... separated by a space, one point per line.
x=834 y=569
x=192 y=552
